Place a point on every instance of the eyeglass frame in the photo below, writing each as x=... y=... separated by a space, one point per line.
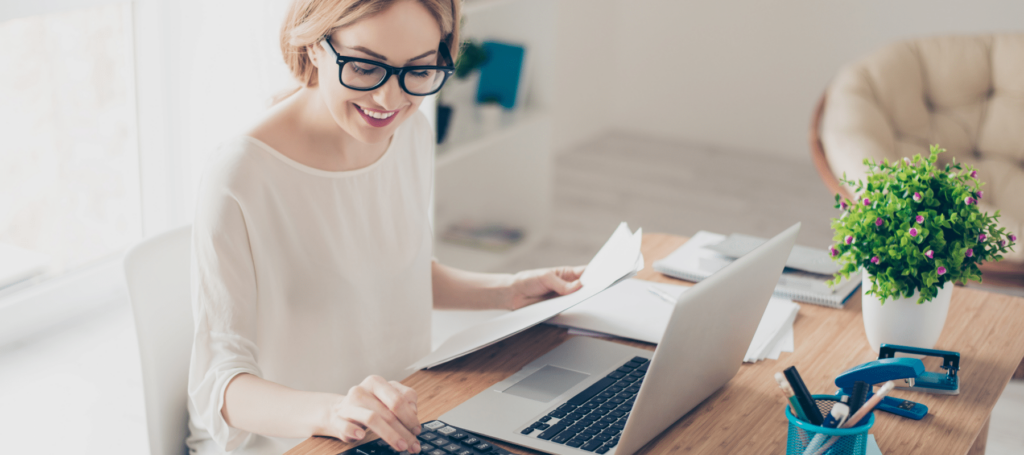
x=447 y=70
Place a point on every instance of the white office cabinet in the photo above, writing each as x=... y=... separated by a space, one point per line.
x=502 y=175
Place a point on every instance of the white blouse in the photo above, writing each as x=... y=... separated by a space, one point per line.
x=307 y=278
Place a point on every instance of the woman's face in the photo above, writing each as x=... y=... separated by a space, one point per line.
x=405 y=34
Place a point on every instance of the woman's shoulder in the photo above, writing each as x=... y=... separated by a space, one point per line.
x=234 y=163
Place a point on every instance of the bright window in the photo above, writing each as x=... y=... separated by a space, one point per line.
x=69 y=171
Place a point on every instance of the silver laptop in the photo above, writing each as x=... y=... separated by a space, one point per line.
x=595 y=396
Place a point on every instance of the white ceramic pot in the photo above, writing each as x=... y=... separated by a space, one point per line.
x=904 y=321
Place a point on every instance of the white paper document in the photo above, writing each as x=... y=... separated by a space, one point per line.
x=632 y=309
x=617 y=260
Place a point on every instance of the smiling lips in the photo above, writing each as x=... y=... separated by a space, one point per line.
x=377 y=119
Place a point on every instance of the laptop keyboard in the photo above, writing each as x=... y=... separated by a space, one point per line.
x=593 y=419
x=437 y=438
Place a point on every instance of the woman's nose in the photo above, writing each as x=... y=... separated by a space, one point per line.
x=390 y=96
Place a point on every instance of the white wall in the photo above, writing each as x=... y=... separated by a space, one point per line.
x=743 y=74
x=583 y=48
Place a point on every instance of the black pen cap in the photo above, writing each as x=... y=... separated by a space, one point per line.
x=859 y=395
x=803 y=397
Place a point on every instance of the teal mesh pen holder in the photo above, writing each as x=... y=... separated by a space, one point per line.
x=807 y=439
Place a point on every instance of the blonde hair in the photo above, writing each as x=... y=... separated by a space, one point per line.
x=307 y=21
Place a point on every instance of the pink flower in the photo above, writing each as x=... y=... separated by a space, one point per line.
x=1013 y=238
x=913 y=232
x=982 y=237
x=867 y=201
x=917 y=197
x=843 y=205
x=879 y=222
x=874 y=260
x=979 y=194
x=970 y=252
x=968 y=200
x=919 y=219
x=974 y=174
x=833 y=251
x=941 y=270
x=906 y=160
x=849 y=240
x=929 y=254
x=1002 y=243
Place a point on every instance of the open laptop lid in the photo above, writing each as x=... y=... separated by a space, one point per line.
x=708 y=333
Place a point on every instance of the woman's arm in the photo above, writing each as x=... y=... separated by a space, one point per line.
x=460 y=289
x=387 y=408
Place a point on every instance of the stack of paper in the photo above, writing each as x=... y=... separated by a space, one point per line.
x=701 y=256
x=640 y=310
x=617 y=260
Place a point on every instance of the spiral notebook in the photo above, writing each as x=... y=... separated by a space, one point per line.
x=695 y=261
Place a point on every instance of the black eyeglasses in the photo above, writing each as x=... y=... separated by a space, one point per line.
x=365 y=75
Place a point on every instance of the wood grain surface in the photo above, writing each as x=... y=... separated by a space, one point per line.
x=747 y=414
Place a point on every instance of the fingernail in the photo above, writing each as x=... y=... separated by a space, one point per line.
x=360 y=434
x=402 y=446
x=416 y=447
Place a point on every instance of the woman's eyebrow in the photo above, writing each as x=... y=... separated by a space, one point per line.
x=383 y=58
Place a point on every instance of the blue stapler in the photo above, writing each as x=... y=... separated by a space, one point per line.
x=902 y=370
x=947 y=383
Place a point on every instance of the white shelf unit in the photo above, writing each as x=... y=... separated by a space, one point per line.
x=502 y=176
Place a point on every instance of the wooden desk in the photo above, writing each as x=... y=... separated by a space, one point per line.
x=746 y=416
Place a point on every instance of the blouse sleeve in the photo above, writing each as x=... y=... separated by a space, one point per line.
x=224 y=310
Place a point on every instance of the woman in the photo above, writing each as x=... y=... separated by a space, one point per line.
x=312 y=272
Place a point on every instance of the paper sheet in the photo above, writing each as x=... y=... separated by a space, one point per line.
x=631 y=310
x=618 y=259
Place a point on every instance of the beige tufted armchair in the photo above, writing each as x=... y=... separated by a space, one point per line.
x=965 y=93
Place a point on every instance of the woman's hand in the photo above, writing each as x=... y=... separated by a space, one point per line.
x=532 y=286
x=388 y=408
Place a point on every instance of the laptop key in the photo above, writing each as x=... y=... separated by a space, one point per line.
x=527 y=430
x=551 y=432
x=591 y=446
x=589 y=392
x=574 y=443
x=544 y=419
x=602 y=449
x=639 y=359
x=560 y=439
x=624 y=370
x=615 y=375
x=542 y=426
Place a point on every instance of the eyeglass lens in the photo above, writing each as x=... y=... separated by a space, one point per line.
x=366 y=75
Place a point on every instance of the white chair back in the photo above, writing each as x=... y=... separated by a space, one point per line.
x=157 y=271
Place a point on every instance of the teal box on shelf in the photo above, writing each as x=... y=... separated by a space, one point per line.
x=500 y=75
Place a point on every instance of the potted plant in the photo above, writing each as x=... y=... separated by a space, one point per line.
x=914 y=230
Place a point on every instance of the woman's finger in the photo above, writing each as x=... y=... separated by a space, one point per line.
x=383 y=421
x=396 y=401
x=378 y=421
x=556 y=283
x=349 y=431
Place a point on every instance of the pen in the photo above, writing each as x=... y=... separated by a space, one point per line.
x=863 y=411
x=804 y=397
x=788 y=392
x=859 y=395
x=838 y=415
x=661 y=294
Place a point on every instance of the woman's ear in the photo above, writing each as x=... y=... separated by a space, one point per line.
x=312 y=51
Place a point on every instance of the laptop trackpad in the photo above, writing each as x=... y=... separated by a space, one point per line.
x=546 y=383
